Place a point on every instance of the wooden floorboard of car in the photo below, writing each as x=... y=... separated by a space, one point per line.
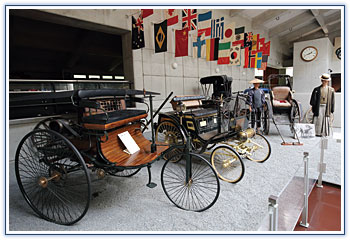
x=113 y=148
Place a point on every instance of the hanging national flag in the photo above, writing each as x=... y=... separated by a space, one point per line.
x=217 y=28
x=229 y=33
x=189 y=19
x=212 y=46
x=258 y=59
x=160 y=37
x=248 y=40
x=204 y=24
x=260 y=44
x=224 y=53
x=138 y=39
x=181 y=42
x=146 y=12
x=246 y=57
x=252 y=57
x=255 y=41
x=239 y=30
x=239 y=40
x=172 y=16
x=235 y=55
x=199 y=47
x=266 y=50
x=264 y=62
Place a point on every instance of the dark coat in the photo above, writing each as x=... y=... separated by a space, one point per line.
x=251 y=97
x=316 y=99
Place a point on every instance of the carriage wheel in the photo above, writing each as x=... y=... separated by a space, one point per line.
x=125 y=173
x=295 y=114
x=53 y=177
x=258 y=148
x=265 y=120
x=201 y=190
x=170 y=134
x=295 y=117
x=227 y=163
x=309 y=116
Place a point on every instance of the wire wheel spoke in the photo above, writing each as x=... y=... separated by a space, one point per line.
x=201 y=190
x=168 y=133
x=258 y=148
x=228 y=164
x=52 y=177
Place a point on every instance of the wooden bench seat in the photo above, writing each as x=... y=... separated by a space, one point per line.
x=115 y=119
x=113 y=148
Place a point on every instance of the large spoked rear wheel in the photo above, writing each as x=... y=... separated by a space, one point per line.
x=257 y=148
x=227 y=163
x=53 y=177
x=170 y=134
x=196 y=192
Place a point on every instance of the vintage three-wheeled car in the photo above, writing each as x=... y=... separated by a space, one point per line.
x=53 y=162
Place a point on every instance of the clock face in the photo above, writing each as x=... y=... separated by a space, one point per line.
x=308 y=54
x=338 y=53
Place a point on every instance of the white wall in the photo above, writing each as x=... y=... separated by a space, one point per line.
x=154 y=71
x=306 y=74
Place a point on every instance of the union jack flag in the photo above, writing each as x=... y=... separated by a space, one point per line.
x=189 y=19
x=139 y=24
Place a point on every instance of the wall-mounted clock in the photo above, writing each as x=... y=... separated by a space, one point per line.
x=309 y=53
x=338 y=53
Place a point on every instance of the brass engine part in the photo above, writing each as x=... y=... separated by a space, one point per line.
x=244 y=135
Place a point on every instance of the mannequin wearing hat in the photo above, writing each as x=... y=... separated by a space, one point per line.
x=256 y=102
x=322 y=102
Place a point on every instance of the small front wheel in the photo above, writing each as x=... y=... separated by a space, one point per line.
x=258 y=148
x=192 y=187
x=227 y=163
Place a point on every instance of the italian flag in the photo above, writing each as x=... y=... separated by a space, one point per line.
x=224 y=53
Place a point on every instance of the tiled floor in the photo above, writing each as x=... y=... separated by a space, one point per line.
x=324 y=209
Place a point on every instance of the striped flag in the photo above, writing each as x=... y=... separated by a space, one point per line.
x=239 y=40
x=255 y=41
x=172 y=16
x=252 y=57
x=212 y=46
x=217 y=28
x=204 y=24
x=189 y=19
x=258 y=59
x=146 y=12
x=224 y=53
x=199 y=47
x=235 y=55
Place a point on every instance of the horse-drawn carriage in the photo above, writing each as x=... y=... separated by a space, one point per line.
x=216 y=125
x=53 y=162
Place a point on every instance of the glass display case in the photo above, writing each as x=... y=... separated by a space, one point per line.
x=51 y=107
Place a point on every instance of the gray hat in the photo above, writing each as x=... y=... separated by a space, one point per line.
x=325 y=77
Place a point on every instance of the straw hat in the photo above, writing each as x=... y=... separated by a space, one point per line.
x=255 y=80
x=325 y=77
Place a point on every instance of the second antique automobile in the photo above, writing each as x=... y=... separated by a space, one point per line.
x=216 y=125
